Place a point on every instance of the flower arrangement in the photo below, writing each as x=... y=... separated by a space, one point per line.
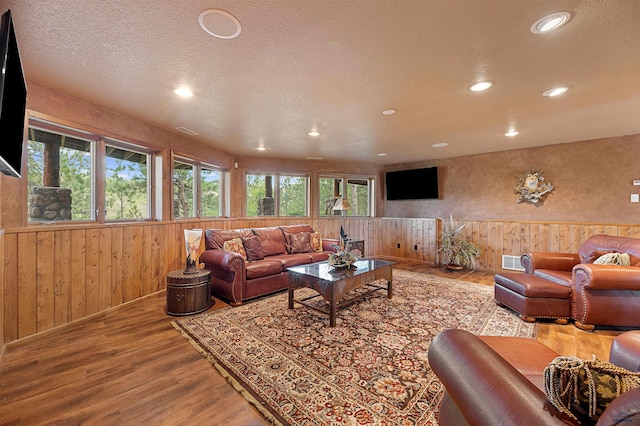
x=342 y=258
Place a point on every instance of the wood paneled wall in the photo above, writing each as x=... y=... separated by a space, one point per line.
x=56 y=275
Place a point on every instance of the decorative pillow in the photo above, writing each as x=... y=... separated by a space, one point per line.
x=299 y=242
x=235 y=245
x=620 y=259
x=253 y=247
x=583 y=389
x=316 y=241
x=596 y=254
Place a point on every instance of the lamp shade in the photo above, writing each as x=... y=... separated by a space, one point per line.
x=341 y=204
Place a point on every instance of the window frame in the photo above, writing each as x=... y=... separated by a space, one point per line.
x=276 y=192
x=343 y=190
x=98 y=143
x=197 y=187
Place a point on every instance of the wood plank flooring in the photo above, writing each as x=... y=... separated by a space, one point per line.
x=131 y=367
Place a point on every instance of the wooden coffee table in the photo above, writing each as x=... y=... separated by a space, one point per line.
x=332 y=284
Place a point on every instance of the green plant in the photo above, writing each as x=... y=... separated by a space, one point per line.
x=455 y=249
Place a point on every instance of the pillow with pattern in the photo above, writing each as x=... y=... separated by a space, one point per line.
x=620 y=259
x=235 y=245
x=316 y=241
x=299 y=242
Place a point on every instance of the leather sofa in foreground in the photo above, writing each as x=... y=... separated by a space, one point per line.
x=268 y=252
x=492 y=380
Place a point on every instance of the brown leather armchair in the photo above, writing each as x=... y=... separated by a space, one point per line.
x=499 y=380
x=605 y=295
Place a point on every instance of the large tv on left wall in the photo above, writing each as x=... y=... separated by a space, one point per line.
x=13 y=99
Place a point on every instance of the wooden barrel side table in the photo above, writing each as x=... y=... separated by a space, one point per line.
x=188 y=294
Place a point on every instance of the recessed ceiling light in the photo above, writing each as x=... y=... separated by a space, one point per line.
x=185 y=92
x=556 y=91
x=314 y=133
x=382 y=154
x=550 y=22
x=261 y=148
x=479 y=87
x=389 y=111
x=219 y=24
x=512 y=133
x=440 y=145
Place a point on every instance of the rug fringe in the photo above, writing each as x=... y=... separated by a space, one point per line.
x=232 y=380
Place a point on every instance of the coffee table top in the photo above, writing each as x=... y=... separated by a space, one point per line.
x=323 y=271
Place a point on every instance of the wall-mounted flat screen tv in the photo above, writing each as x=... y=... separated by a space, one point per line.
x=13 y=100
x=413 y=184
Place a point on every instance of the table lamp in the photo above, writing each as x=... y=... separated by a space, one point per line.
x=342 y=206
x=192 y=239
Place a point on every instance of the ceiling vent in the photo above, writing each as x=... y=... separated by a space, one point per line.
x=187 y=131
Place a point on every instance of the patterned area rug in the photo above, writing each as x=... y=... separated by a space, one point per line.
x=371 y=369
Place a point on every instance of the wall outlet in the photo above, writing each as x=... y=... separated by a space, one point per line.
x=415 y=247
x=636 y=182
x=635 y=198
x=398 y=245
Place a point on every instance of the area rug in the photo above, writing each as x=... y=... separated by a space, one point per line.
x=371 y=369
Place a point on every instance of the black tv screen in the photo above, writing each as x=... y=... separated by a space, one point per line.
x=414 y=184
x=13 y=100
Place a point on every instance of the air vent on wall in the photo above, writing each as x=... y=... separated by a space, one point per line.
x=187 y=131
x=512 y=263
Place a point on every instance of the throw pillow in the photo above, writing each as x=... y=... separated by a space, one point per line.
x=582 y=389
x=620 y=259
x=316 y=241
x=299 y=242
x=253 y=247
x=235 y=245
x=596 y=254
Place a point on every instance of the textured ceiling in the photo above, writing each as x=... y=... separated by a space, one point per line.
x=335 y=66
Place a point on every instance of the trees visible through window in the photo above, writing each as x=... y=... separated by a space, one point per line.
x=211 y=184
x=59 y=177
x=63 y=176
x=198 y=189
x=183 y=190
x=357 y=191
x=287 y=192
x=127 y=184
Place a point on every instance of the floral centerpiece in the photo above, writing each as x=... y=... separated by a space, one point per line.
x=342 y=258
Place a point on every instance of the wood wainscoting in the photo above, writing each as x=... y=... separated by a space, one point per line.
x=61 y=274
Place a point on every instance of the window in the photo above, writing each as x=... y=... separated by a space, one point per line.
x=358 y=191
x=198 y=189
x=127 y=186
x=288 y=192
x=211 y=184
x=63 y=165
x=60 y=170
x=183 y=191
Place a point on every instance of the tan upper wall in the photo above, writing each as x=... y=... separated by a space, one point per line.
x=592 y=180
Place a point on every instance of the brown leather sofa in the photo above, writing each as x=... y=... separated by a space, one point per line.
x=493 y=380
x=601 y=295
x=235 y=279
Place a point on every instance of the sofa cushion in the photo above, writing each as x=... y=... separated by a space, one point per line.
x=215 y=238
x=235 y=245
x=296 y=228
x=289 y=260
x=263 y=268
x=253 y=247
x=597 y=254
x=318 y=256
x=300 y=242
x=559 y=277
x=273 y=242
x=316 y=241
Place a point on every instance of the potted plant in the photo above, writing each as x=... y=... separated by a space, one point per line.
x=456 y=251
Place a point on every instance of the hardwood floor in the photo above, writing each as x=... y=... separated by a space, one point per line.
x=132 y=367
